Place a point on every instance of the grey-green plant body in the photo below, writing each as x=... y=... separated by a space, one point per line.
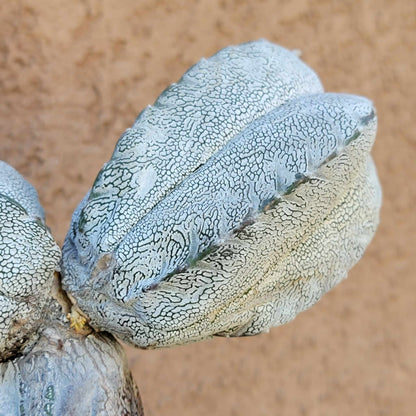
x=29 y=257
x=232 y=204
x=221 y=151
x=45 y=367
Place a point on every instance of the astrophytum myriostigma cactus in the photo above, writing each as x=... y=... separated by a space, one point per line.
x=46 y=368
x=29 y=257
x=65 y=373
x=231 y=205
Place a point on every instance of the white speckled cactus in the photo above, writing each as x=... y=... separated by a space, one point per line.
x=48 y=369
x=232 y=204
x=29 y=257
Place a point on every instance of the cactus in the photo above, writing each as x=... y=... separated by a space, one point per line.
x=234 y=203
x=48 y=368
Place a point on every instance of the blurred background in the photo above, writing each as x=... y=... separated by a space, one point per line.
x=74 y=75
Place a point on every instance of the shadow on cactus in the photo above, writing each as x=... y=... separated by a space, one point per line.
x=232 y=204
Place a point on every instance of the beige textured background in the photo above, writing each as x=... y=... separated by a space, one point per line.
x=74 y=75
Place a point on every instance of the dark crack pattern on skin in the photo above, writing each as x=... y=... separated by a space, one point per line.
x=46 y=368
x=65 y=373
x=222 y=207
x=256 y=167
x=29 y=257
x=266 y=274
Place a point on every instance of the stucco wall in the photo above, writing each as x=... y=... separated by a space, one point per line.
x=74 y=75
